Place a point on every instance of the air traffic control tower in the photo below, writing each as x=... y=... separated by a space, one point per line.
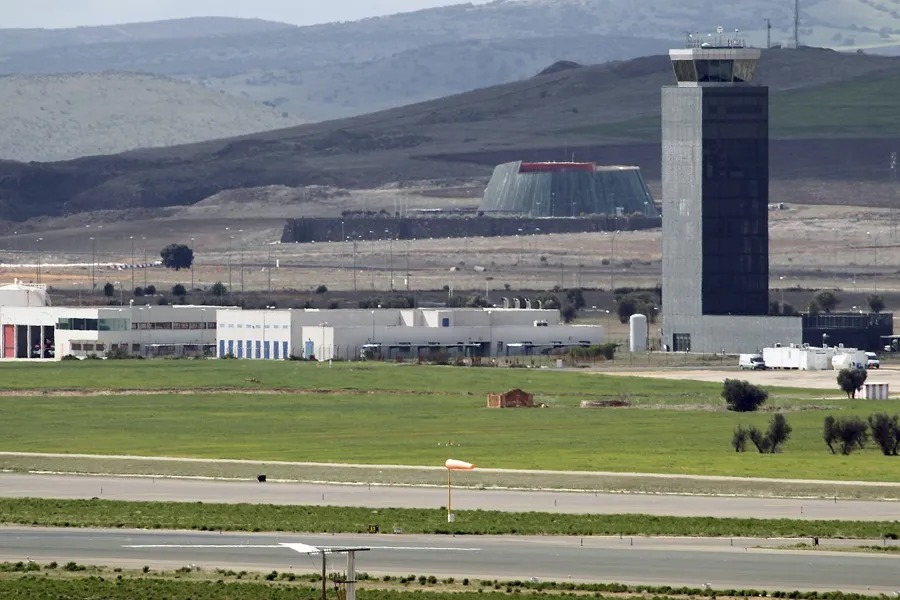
x=715 y=183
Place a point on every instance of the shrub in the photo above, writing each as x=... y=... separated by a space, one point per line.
x=742 y=396
x=150 y=290
x=138 y=291
x=876 y=303
x=846 y=433
x=179 y=291
x=850 y=380
x=739 y=439
x=886 y=433
x=826 y=300
x=218 y=289
x=109 y=290
x=333 y=305
x=322 y=289
x=778 y=433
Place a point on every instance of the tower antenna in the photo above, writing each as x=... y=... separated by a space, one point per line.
x=768 y=33
x=796 y=23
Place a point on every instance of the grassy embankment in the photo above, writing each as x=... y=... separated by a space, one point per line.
x=28 y=580
x=311 y=519
x=863 y=108
x=404 y=414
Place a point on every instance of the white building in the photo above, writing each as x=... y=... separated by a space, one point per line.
x=55 y=332
x=396 y=333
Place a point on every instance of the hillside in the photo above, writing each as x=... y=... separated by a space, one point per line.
x=551 y=116
x=344 y=69
x=30 y=40
x=57 y=117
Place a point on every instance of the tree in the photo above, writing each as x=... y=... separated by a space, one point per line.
x=739 y=439
x=778 y=433
x=179 y=291
x=322 y=289
x=742 y=396
x=109 y=290
x=886 y=433
x=876 y=303
x=769 y=442
x=218 y=289
x=569 y=312
x=150 y=290
x=849 y=433
x=827 y=300
x=177 y=256
x=138 y=291
x=575 y=296
x=813 y=308
x=850 y=380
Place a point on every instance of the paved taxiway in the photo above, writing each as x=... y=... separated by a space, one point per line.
x=192 y=490
x=657 y=561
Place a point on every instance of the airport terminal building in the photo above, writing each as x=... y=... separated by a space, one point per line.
x=30 y=328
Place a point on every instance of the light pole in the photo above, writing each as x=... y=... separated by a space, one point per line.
x=612 y=263
x=121 y=293
x=241 y=242
x=132 y=262
x=144 y=240
x=391 y=251
x=874 y=258
x=192 y=264
x=38 y=246
x=93 y=264
x=78 y=283
x=373 y=327
x=781 y=278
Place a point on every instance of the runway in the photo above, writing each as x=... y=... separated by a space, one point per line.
x=653 y=561
x=13 y=485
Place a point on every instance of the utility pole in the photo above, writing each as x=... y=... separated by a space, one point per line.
x=893 y=188
x=269 y=268
x=192 y=264
x=796 y=23
x=132 y=263
x=93 y=264
x=768 y=33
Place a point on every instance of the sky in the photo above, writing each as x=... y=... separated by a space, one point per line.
x=75 y=13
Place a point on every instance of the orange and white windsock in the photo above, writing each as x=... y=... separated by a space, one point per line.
x=458 y=465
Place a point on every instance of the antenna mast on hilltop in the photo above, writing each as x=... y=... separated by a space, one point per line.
x=796 y=23
x=768 y=33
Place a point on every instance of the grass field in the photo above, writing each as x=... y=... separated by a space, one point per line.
x=865 y=109
x=53 y=582
x=393 y=414
x=325 y=519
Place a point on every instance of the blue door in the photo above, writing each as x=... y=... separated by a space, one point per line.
x=221 y=348
x=266 y=350
x=309 y=348
x=231 y=347
x=275 y=349
x=285 y=353
x=240 y=353
x=259 y=353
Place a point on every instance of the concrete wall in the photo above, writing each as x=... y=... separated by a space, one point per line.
x=384 y=227
x=734 y=335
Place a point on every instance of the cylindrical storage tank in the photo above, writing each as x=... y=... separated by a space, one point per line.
x=637 y=333
x=841 y=362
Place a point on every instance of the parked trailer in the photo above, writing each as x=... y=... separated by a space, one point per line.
x=805 y=358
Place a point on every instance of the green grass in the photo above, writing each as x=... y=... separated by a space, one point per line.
x=312 y=519
x=50 y=582
x=415 y=428
x=405 y=414
x=860 y=108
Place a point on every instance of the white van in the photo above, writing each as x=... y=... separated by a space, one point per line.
x=751 y=361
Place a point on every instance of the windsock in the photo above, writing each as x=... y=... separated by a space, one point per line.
x=458 y=465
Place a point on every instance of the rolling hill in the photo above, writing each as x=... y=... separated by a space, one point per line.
x=344 y=69
x=588 y=112
x=58 y=117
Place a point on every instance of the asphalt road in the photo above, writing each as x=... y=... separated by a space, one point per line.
x=721 y=563
x=14 y=485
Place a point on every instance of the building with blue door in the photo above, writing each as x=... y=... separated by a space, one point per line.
x=396 y=333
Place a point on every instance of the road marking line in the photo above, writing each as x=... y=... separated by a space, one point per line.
x=203 y=546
